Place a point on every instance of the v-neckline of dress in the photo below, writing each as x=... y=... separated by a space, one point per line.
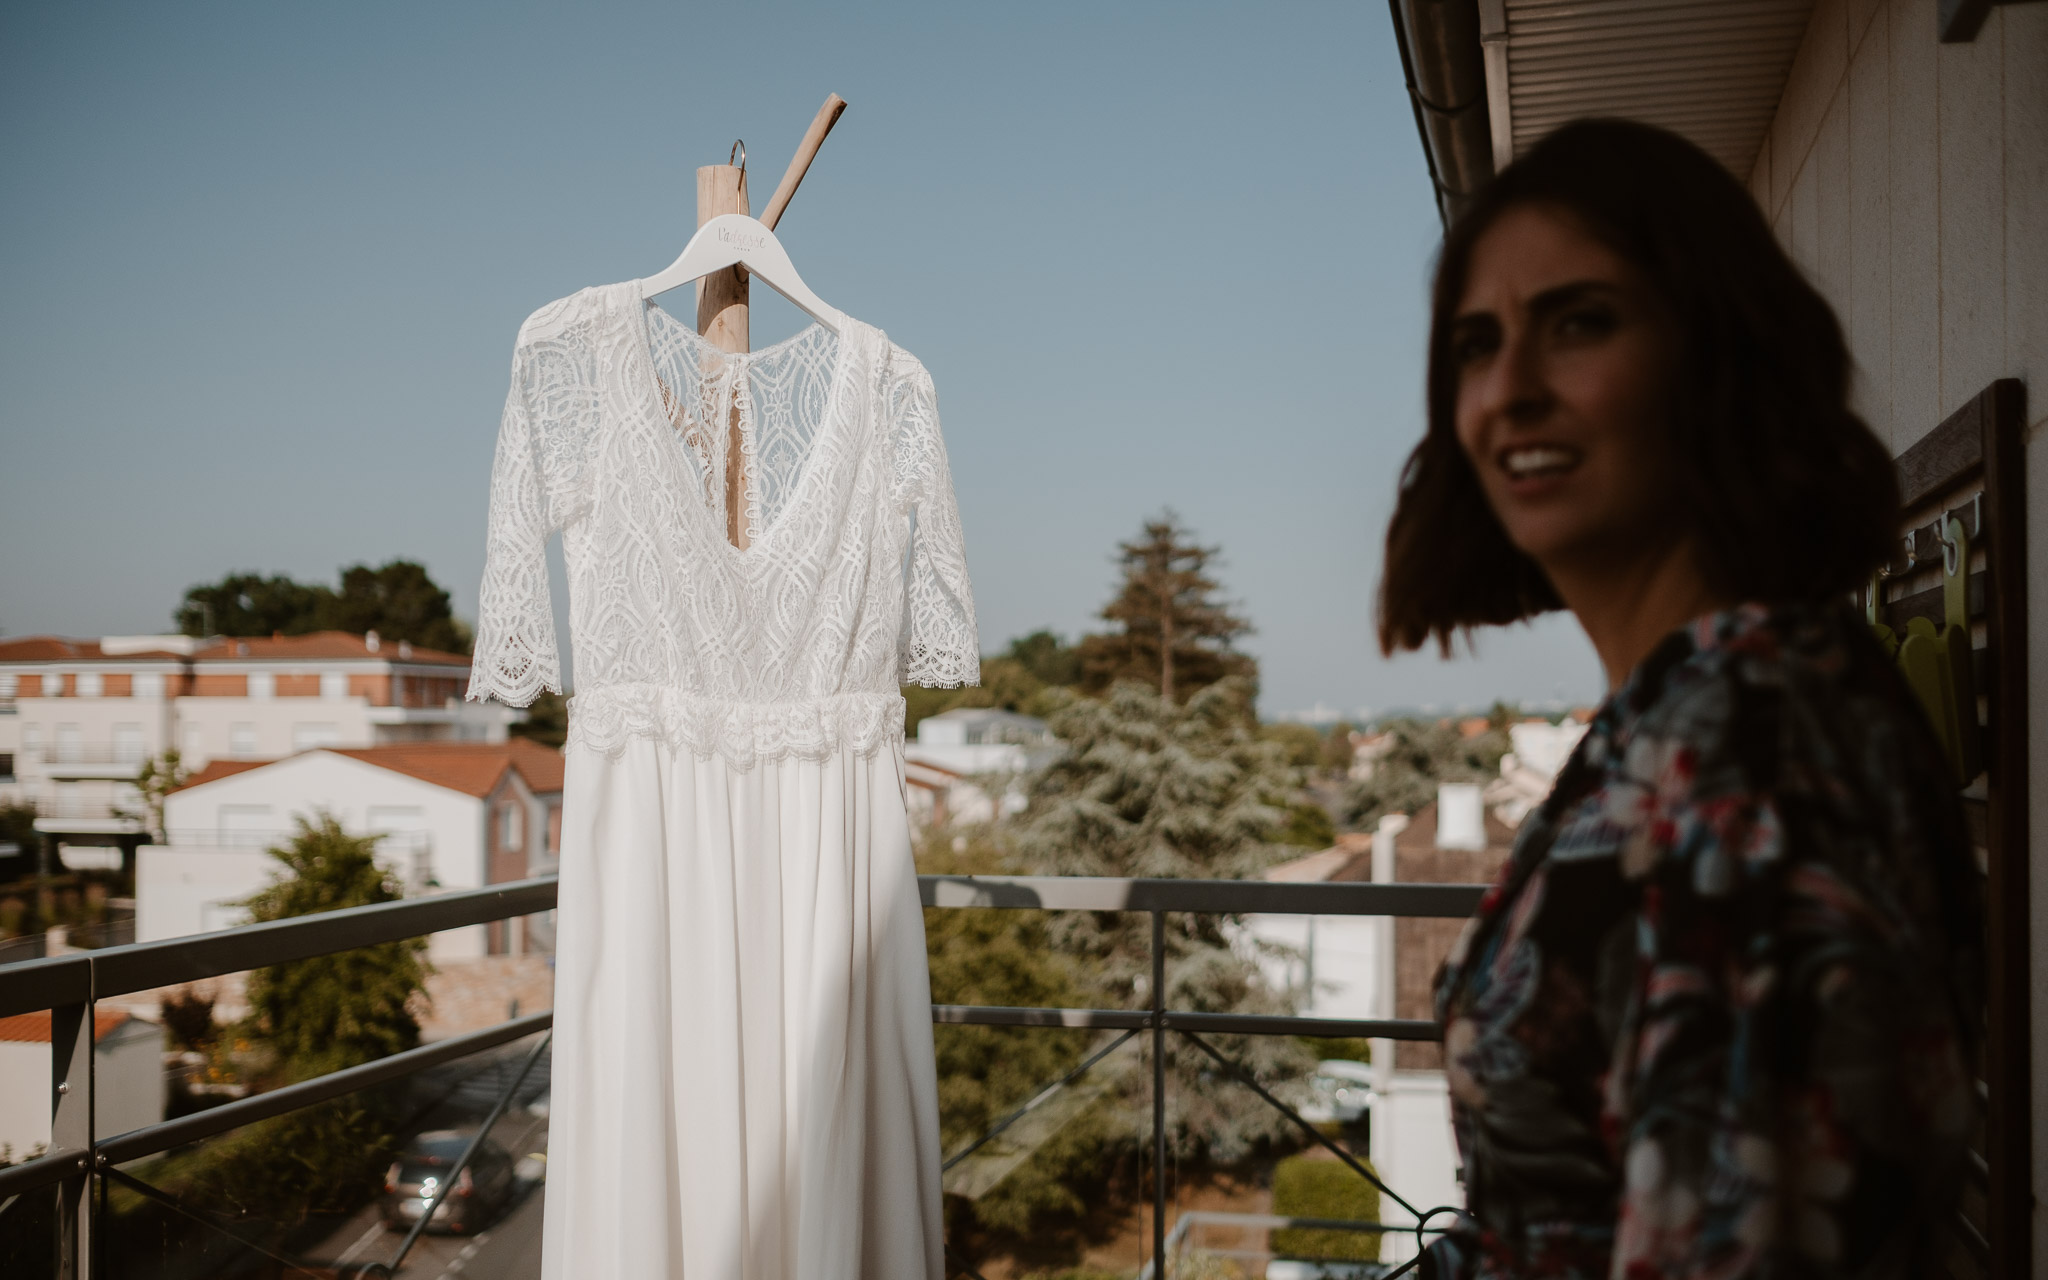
x=751 y=498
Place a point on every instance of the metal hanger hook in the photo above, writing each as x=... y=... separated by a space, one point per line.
x=739 y=150
x=1950 y=549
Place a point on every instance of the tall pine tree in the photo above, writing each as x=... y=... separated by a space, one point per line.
x=1173 y=634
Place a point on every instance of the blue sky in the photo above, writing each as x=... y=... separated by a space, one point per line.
x=262 y=265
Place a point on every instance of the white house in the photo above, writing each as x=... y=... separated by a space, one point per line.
x=451 y=815
x=971 y=740
x=128 y=1077
x=958 y=757
x=78 y=717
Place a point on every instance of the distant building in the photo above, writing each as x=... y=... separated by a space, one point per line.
x=959 y=757
x=128 y=1077
x=450 y=815
x=970 y=740
x=78 y=717
x=1372 y=967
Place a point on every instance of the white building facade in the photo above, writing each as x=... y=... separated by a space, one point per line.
x=79 y=717
x=449 y=815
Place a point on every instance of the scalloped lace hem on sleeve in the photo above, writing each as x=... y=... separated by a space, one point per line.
x=514 y=674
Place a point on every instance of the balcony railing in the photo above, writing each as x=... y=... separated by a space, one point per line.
x=80 y=1162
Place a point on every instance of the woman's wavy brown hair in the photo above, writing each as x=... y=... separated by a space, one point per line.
x=1789 y=493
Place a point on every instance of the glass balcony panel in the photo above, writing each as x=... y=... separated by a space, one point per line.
x=335 y=1187
x=28 y=1234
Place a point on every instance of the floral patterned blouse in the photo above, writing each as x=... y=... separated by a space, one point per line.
x=1712 y=1020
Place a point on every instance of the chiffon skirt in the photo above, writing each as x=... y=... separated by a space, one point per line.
x=743 y=1084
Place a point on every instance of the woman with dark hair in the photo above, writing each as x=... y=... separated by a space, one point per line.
x=1716 y=1016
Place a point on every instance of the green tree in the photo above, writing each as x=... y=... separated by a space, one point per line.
x=1421 y=755
x=159 y=776
x=1019 y=679
x=1337 y=749
x=1005 y=958
x=1150 y=787
x=1301 y=743
x=249 y=604
x=398 y=600
x=18 y=828
x=316 y=1016
x=334 y=1011
x=1172 y=631
x=1047 y=657
x=547 y=720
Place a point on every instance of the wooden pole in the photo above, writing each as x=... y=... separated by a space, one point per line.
x=722 y=295
x=806 y=151
x=722 y=322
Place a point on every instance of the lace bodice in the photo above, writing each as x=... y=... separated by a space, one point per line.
x=615 y=432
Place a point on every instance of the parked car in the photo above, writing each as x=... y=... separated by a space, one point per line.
x=1340 y=1092
x=420 y=1175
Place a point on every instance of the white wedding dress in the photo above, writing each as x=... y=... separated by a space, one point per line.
x=743 y=1077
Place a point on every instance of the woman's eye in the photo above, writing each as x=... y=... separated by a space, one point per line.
x=1587 y=322
x=1472 y=344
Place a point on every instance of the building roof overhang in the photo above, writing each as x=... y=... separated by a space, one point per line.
x=1710 y=70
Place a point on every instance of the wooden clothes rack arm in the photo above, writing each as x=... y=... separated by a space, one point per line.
x=722 y=318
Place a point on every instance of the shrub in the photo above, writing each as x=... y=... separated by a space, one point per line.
x=1306 y=1187
x=188 y=1016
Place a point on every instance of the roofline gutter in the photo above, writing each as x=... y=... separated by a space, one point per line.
x=1442 y=59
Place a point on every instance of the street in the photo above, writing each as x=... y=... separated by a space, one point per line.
x=508 y=1249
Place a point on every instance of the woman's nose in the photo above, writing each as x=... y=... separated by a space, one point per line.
x=1516 y=390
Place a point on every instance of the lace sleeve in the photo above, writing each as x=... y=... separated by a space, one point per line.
x=940 y=649
x=515 y=629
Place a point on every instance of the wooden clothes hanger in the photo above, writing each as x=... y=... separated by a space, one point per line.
x=736 y=240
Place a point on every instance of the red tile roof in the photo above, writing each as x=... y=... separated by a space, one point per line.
x=322 y=645
x=34 y=1028
x=49 y=649
x=317 y=647
x=473 y=768
x=219 y=769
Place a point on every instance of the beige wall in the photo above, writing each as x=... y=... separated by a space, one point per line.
x=1910 y=179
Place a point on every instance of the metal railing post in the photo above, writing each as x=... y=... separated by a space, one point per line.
x=1159 y=1092
x=71 y=1130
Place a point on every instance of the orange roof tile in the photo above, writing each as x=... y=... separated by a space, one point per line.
x=34 y=1028
x=46 y=649
x=218 y=769
x=473 y=768
x=321 y=645
x=316 y=647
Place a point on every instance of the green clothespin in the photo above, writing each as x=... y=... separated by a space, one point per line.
x=1967 y=753
x=1924 y=663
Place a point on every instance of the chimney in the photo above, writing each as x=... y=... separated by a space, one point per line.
x=370 y=641
x=1460 y=817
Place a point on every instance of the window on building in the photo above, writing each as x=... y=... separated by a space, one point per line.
x=309 y=736
x=8 y=684
x=32 y=740
x=242 y=740
x=147 y=684
x=128 y=743
x=511 y=827
x=262 y=684
x=334 y=684
x=70 y=744
x=6 y=766
x=53 y=685
x=89 y=684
